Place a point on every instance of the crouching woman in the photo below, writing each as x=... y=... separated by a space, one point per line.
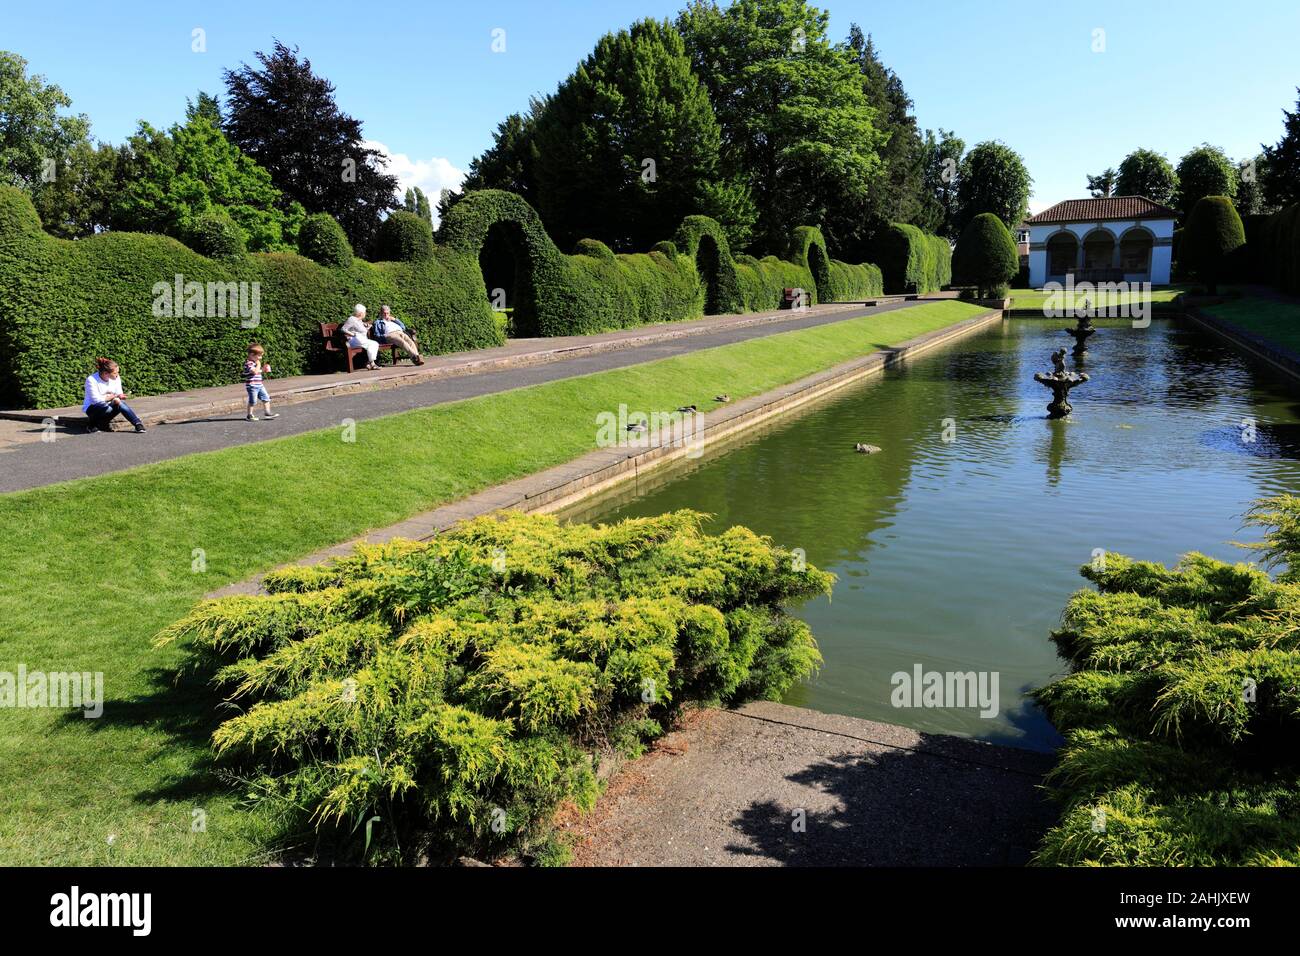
x=106 y=399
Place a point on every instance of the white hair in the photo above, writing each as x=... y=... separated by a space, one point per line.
x=358 y=309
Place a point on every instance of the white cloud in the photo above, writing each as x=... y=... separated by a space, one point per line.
x=431 y=175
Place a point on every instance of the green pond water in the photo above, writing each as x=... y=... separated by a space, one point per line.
x=958 y=555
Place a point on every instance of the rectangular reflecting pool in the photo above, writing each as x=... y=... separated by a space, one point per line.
x=957 y=545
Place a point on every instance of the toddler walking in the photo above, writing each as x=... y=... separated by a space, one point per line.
x=254 y=369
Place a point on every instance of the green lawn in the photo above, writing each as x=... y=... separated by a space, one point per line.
x=93 y=569
x=1034 y=298
x=1272 y=319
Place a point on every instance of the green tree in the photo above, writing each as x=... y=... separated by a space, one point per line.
x=174 y=177
x=79 y=201
x=1212 y=234
x=993 y=179
x=1144 y=172
x=285 y=117
x=1205 y=171
x=628 y=146
x=897 y=191
x=1102 y=186
x=796 y=122
x=205 y=105
x=943 y=156
x=1252 y=194
x=415 y=201
x=1282 y=179
x=985 y=256
x=34 y=136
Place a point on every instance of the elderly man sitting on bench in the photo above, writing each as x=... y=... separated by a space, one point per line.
x=390 y=331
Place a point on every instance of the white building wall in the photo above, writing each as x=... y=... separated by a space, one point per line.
x=1161 y=252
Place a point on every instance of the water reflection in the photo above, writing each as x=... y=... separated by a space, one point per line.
x=956 y=547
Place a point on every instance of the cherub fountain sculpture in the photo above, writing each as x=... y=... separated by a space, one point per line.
x=1060 y=382
x=1082 y=331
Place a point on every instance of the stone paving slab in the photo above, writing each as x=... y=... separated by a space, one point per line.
x=730 y=788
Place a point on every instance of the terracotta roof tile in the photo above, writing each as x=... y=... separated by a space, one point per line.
x=1100 y=210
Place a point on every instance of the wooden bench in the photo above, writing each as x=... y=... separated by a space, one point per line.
x=329 y=331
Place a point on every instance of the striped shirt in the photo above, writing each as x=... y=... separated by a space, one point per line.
x=252 y=373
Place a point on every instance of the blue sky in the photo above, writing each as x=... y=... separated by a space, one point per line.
x=424 y=80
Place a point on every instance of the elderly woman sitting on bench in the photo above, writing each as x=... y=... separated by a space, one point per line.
x=357 y=332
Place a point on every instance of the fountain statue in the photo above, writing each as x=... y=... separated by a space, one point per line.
x=1083 y=329
x=1060 y=382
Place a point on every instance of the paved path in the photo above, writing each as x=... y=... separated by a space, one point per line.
x=28 y=462
x=728 y=789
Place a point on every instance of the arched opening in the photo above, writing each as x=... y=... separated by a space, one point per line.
x=507 y=277
x=708 y=263
x=821 y=270
x=1098 y=250
x=1062 y=254
x=1135 y=252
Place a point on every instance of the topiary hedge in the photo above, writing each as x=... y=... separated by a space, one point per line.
x=460 y=690
x=986 y=256
x=913 y=261
x=1275 y=249
x=404 y=237
x=69 y=302
x=66 y=302
x=321 y=239
x=1211 y=238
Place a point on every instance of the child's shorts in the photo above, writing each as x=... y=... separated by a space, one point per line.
x=257 y=393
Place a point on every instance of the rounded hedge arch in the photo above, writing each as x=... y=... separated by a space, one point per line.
x=722 y=289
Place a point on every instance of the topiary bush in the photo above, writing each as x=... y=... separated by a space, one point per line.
x=216 y=235
x=986 y=256
x=460 y=690
x=1275 y=249
x=404 y=237
x=912 y=261
x=321 y=239
x=1181 y=711
x=1210 y=240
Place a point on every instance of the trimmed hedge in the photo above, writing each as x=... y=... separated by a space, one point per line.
x=1275 y=249
x=1212 y=237
x=67 y=302
x=913 y=261
x=986 y=256
x=405 y=237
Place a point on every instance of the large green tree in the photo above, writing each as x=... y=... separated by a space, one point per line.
x=993 y=179
x=174 y=177
x=796 y=121
x=1282 y=176
x=1144 y=172
x=897 y=191
x=1213 y=234
x=285 y=117
x=35 y=137
x=628 y=145
x=1204 y=171
x=80 y=200
x=940 y=210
